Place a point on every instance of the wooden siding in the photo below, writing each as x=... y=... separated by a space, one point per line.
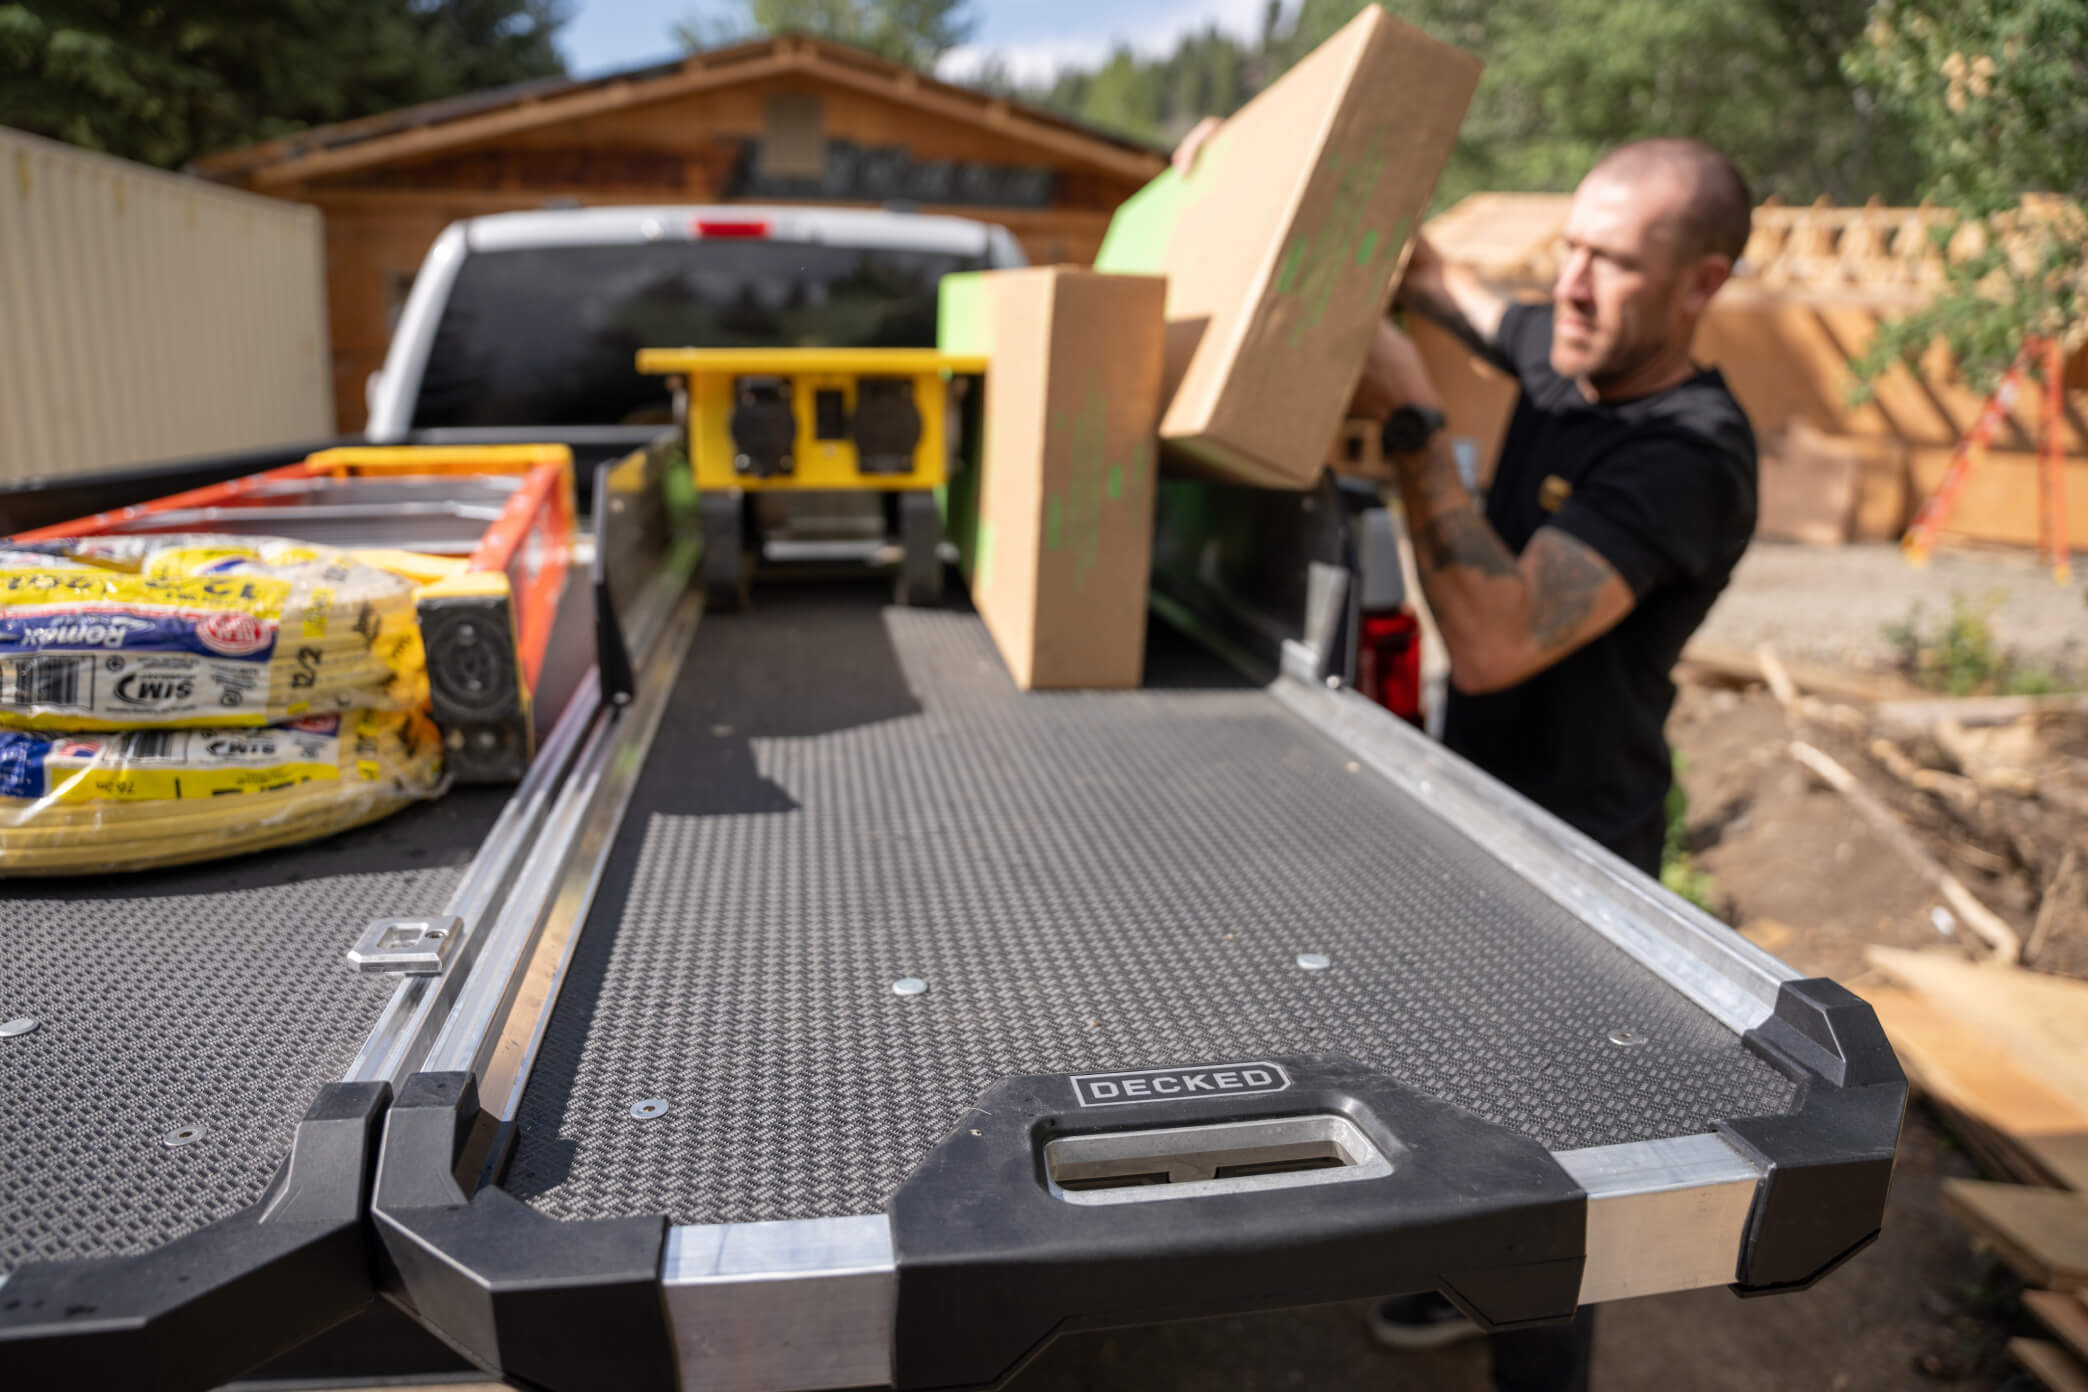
x=381 y=219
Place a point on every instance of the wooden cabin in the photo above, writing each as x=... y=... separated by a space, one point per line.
x=1809 y=293
x=785 y=119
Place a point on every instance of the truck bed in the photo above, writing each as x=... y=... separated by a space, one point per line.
x=213 y=998
x=844 y=794
x=664 y=1120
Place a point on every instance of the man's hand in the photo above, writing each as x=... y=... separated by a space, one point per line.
x=1422 y=282
x=1393 y=376
x=1451 y=296
x=1192 y=144
x=1503 y=617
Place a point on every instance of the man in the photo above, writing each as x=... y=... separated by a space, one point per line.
x=1623 y=496
x=1624 y=493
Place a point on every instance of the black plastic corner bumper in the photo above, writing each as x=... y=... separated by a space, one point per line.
x=1828 y=1165
x=558 y=1305
x=227 y=1297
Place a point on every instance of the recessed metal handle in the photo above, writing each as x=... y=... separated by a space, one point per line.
x=1224 y=1158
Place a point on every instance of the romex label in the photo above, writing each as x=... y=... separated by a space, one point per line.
x=1169 y=1084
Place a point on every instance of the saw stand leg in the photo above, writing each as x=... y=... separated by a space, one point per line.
x=726 y=558
x=920 y=537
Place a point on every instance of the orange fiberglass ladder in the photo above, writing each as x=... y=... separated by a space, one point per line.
x=2051 y=513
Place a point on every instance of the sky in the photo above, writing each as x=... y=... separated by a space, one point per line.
x=1034 y=37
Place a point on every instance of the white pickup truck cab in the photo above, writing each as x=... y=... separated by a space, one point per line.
x=532 y=320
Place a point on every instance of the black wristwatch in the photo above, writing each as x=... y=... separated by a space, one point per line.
x=1409 y=429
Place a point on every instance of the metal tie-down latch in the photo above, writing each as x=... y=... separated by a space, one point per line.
x=407 y=946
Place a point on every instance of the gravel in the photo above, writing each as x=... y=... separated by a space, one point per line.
x=1832 y=603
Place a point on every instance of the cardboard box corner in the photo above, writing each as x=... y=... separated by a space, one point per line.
x=1063 y=490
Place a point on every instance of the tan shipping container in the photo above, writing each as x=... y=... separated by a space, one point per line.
x=147 y=315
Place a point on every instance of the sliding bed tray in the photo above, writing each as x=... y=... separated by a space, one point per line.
x=894 y=1020
x=192 y=1070
x=826 y=1012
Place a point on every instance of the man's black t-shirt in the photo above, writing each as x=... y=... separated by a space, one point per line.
x=1663 y=487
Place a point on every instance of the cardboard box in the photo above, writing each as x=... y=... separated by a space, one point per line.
x=1282 y=246
x=1056 y=521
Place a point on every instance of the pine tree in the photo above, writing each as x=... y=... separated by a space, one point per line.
x=166 y=81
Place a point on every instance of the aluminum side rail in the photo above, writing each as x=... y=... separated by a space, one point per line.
x=421 y=1003
x=450 y=1243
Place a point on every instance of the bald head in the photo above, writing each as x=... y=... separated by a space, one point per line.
x=1715 y=210
x=1651 y=235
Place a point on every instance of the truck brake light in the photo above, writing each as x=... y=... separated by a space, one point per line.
x=715 y=227
x=1388 y=662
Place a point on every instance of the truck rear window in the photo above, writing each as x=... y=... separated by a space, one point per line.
x=547 y=336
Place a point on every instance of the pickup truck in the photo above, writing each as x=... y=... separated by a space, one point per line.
x=821 y=1011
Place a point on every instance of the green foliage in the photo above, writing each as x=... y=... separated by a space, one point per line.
x=1209 y=74
x=914 y=32
x=1962 y=657
x=1680 y=876
x=165 y=83
x=1565 y=81
x=1994 y=95
x=1678 y=871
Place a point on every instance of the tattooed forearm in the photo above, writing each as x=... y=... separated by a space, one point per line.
x=1431 y=476
x=1566 y=575
x=1460 y=537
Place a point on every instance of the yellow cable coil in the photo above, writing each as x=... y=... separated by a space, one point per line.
x=80 y=804
x=140 y=632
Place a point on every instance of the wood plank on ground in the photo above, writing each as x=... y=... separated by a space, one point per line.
x=2050 y=1364
x=2042 y=1233
x=1734 y=663
x=1961 y=1070
x=2039 y=1021
x=2064 y=1315
x=1920 y=715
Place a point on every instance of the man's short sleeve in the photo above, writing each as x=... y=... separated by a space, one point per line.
x=1522 y=344
x=1667 y=505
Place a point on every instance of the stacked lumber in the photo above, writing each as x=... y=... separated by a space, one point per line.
x=2061 y=1366
x=2003 y=1053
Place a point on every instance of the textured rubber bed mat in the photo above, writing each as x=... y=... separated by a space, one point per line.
x=214 y=998
x=843 y=795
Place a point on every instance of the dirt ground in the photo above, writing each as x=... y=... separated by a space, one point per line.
x=1809 y=880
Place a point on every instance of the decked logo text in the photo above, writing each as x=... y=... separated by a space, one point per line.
x=1167 y=1084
